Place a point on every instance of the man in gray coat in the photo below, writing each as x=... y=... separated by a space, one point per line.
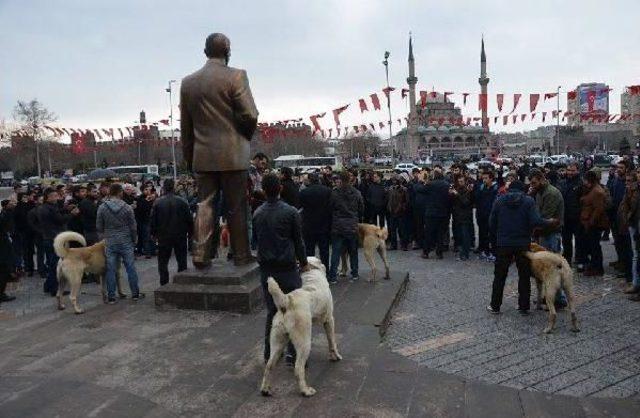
x=116 y=224
x=217 y=119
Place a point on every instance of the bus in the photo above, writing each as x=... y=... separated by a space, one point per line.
x=303 y=164
x=137 y=172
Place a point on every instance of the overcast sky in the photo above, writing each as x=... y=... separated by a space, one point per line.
x=96 y=64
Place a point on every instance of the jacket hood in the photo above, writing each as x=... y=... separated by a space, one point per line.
x=514 y=198
x=115 y=205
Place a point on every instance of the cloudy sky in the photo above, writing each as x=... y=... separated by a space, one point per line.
x=96 y=64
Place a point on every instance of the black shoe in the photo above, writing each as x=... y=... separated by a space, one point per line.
x=332 y=281
x=493 y=311
x=523 y=312
x=138 y=296
x=6 y=298
x=290 y=359
x=111 y=301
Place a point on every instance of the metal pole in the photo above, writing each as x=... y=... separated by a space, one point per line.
x=558 y=123
x=393 y=142
x=35 y=139
x=173 y=142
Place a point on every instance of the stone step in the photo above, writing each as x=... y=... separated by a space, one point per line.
x=241 y=298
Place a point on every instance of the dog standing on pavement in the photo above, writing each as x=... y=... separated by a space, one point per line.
x=371 y=238
x=552 y=272
x=75 y=262
x=296 y=311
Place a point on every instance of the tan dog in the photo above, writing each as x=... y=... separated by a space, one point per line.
x=75 y=262
x=371 y=238
x=552 y=272
x=296 y=311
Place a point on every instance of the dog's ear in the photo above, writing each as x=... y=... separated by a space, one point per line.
x=382 y=233
x=315 y=263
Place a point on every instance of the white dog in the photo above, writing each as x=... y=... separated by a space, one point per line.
x=296 y=311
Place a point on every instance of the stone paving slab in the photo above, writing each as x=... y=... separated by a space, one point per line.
x=136 y=361
x=442 y=323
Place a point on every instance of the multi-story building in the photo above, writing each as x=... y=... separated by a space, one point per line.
x=630 y=109
x=588 y=104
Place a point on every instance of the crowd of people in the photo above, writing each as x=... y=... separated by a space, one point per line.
x=132 y=219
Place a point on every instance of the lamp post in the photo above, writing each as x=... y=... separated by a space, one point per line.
x=558 y=122
x=173 y=142
x=393 y=142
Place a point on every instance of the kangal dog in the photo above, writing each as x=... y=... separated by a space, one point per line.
x=552 y=272
x=296 y=311
x=75 y=262
x=372 y=238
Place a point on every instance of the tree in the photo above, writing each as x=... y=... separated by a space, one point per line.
x=33 y=116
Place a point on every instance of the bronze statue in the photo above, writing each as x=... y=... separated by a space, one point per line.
x=218 y=119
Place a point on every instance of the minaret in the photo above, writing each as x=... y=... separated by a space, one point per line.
x=412 y=128
x=484 y=80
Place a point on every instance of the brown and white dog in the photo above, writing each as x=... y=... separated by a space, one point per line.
x=296 y=312
x=552 y=272
x=75 y=262
x=371 y=238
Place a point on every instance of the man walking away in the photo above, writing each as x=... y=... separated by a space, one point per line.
x=51 y=222
x=171 y=225
x=346 y=207
x=117 y=225
x=316 y=218
x=277 y=226
x=512 y=220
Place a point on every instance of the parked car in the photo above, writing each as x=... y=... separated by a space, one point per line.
x=406 y=167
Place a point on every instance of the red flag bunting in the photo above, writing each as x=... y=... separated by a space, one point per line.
x=500 y=100
x=375 y=101
x=571 y=95
x=387 y=90
x=550 y=95
x=516 y=99
x=381 y=125
x=423 y=99
x=505 y=118
x=120 y=131
x=404 y=93
x=336 y=113
x=373 y=127
x=495 y=120
x=314 y=120
x=533 y=101
x=514 y=118
x=447 y=93
x=464 y=98
x=523 y=117
x=533 y=116
x=482 y=101
x=363 y=106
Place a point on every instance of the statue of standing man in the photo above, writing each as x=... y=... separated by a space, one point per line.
x=218 y=118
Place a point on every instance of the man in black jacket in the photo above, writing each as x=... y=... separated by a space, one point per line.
x=51 y=222
x=278 y=229
x=290 y=192
x=316 y=218
x=436 y=215
x=171 y=225
x=346 y=207
x=88 y=211
x=142 y=211
x=6 y=255
x=377 y=199
x=571 y=189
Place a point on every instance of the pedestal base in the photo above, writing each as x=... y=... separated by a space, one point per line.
x=222 y=287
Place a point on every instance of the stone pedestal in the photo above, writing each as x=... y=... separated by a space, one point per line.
x=222 y=287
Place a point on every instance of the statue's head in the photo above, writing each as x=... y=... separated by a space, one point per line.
x=217 y=45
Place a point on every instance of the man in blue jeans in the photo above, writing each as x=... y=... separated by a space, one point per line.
x=346 y=206
x=116 y=224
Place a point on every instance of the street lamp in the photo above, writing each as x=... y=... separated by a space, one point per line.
x=393 y=142
x=173 y=142
x=558 y=121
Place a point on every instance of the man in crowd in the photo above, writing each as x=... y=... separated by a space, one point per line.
x=485 y=196
x=290 y=192
x=7 y=269
x=398 y=208
x=171 y=225
x=346 y=207
x=51 y=221
x=116 y=224
x=550 y=205
x=594 y=221
x=436 y=215
x=512 y=220
x=277 y=226
x=142 y=211
x=377 y=198
x=316 y=218
x=571 y=189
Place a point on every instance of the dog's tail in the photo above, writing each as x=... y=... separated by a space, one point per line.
x=62 y=240
x=279 y=298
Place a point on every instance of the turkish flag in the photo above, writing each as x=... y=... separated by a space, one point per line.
x=423 y=99
x=500 y=100
x=363 y=106
x=482 y=101
x=387 y=90
x=516 y=100
x=314 y=120
x=515 y=118
x=375 y=101
x=591 y=100
x=336 y=113
x=533 y=101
